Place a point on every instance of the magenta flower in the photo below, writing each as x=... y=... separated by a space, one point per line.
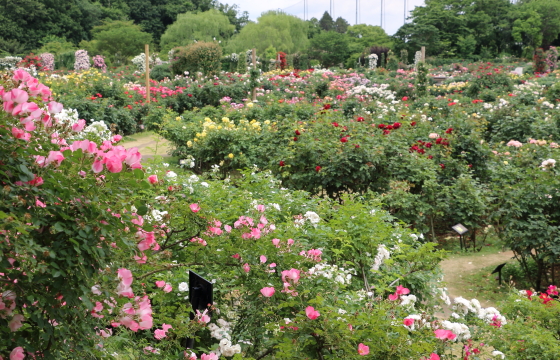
x=153 y=179
x=268 y=291
x=408 y=322
x=311 y=313
x=363 y=349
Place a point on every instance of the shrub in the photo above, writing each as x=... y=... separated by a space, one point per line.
x=202 y=56
x=160 y=72
x=81 y=60
x=48 y=61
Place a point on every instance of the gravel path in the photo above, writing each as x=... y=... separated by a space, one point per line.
x=458 y=270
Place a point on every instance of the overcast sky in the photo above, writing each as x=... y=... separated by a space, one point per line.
x=369 y=10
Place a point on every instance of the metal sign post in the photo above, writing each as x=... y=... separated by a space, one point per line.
x=461 y=230
x=201 y=297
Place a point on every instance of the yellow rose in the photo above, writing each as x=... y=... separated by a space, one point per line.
x=178 y=118
x=267 y=122
x=505 y=162
x=250 y=105
x=230 y=156
x=189 y=143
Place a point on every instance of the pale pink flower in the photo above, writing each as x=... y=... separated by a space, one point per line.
x=40 y=204
x=15 y=323
x=276 y=242
x=210 y=356
x=17 y=354
x=54 y=107
x=260 y=208
x=160 y=284
x=125 y=275
x=227 y=228
x=191 y=356
x=263 y=259
x=268 y=291
x=194 y=208
x=311 y=313
x=292 y=274
x=433 y=136
x=290 y=242
x=363 y=349
x=246 y=267
x=159 y=334
x=167 y=288
x=79 y=126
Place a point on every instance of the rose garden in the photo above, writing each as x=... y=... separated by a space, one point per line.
x=317 y=202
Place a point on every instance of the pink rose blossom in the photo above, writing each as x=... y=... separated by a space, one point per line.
x=263 y=259
x=246 y=267
x=363 y=349
x=17 y=354
x=15 y=323
x=276 y=242
x=194 y=208
x=153 y=179
x=311 y=313
x=167 y=288
x=268 y=291
x=160 y=284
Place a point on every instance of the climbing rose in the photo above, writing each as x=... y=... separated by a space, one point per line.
x=194 y=208
x=153 y=179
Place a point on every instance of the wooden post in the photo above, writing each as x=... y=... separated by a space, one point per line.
x=423 y=50
x=254 y=58
x=147 y=50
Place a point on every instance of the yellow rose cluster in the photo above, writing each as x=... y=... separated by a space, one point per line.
x=226 y=124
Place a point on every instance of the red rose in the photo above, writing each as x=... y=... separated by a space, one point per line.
x=357 y=146
x=449 y=131
x=360 y=119
x=335 y=124
x=428 y=144
x=405 y=98
x=327 y=107
x=396 y=125
x=381 y=126
x=438 y=141
x=389 y=127
x=317 y=168
x=298 y=133
x=343 y=139
x=442 y=166
x=430 y=157
x=189 y=95
x=282 y=163
x=413 y=123
x=386 y=132
x=295 y=138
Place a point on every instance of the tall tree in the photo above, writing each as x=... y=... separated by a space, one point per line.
x=341 y=25
x=285 y=32
x=211 y=25
x=326 y=22
x=330 y=48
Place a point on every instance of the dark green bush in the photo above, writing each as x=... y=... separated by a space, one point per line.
x=201 y=56
x=160 y=72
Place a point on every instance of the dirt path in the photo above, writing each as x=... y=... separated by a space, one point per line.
x=149 y=145
x=459 y=269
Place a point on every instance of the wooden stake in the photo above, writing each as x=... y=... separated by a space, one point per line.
x=147 y=50
x=254 y=58
x=423 y=50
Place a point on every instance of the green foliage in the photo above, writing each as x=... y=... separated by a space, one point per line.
x=330 y=48
x=118 y=40
x=284 y=32
x=201 y=56
x=206 y=26
x=160 y=72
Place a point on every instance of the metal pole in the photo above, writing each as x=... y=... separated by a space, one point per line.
x=147 y=50
x=356 y=12
x=382 y=14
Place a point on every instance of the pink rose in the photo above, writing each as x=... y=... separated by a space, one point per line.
x=363 y=349
x=153 y=179
x=311 y=313
x=268 y=291
x=194 y=208
x=17 y=354
x=160 y=284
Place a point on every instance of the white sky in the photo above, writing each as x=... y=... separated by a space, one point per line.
x=369 y=10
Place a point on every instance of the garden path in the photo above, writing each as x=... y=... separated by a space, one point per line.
x=148 y=145
x=458 y=270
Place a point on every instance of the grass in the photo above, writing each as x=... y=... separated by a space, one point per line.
x=482 y=284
